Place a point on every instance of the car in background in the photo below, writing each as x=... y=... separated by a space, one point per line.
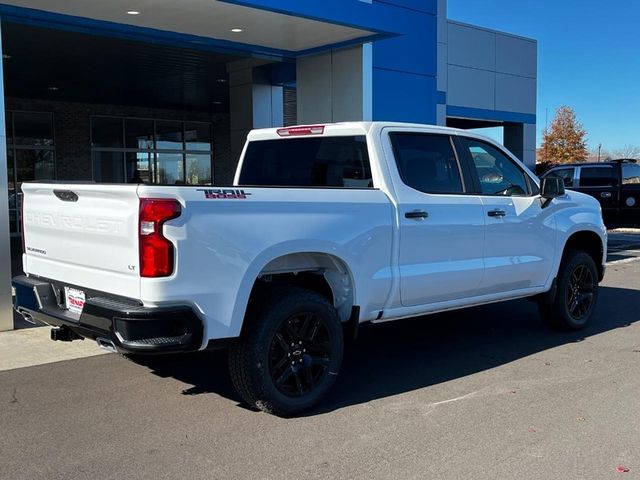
x=615 y=184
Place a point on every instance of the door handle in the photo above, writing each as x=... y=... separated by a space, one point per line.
x=497 y=213
x=417 y=215
x=605 y=195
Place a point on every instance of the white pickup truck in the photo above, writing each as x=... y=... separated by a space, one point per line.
x=325 y=227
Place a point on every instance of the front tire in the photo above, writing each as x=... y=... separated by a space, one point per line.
x=576 y=296
x=290 y=353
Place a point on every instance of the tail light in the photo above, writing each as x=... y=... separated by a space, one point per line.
x=156 y=252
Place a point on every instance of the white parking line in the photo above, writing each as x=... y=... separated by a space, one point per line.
x=627 y=260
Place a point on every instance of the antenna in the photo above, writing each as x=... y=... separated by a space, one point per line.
x=546 y=119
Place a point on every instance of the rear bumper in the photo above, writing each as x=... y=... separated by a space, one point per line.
x=124 y=323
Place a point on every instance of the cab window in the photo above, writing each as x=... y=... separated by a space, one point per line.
x=497 y=173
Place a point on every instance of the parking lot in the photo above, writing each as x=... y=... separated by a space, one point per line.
x=484 y=393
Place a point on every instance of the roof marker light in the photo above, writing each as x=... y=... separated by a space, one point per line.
x=298 y=131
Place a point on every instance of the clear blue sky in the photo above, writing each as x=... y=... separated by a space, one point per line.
x=588 y=58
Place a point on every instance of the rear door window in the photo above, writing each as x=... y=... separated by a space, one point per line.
x=427 y=162
x=308 y=162
x=596 y=177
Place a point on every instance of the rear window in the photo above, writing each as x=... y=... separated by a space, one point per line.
x=596 y=177
x=308 y=162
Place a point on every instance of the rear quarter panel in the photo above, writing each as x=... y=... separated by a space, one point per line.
x=223 y=244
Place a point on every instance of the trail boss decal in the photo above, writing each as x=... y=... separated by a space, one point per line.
x=217 y=194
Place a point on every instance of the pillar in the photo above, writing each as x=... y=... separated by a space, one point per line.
x=335 y=86
x=6 y=311
x=253 y=103
x=520 y=139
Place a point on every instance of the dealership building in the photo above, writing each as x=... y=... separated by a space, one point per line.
x=165 y=91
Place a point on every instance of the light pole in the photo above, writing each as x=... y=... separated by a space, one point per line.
x=599 y=149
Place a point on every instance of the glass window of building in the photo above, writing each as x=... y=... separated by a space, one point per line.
x=163 y=152
x=30 y=155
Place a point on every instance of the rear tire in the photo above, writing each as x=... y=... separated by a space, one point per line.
x=290 y=353
x=576 y=294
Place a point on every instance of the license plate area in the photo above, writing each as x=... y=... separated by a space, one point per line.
x=74 y=300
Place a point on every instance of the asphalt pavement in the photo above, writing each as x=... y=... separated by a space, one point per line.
x=484 y=393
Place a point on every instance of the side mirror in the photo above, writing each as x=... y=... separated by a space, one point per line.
x=552 y=187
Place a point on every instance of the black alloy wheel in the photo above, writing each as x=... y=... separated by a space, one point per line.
x=580 y=294
x=300 y=354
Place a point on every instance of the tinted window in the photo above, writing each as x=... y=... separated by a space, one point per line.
x=169 y=135
x=566 y=174
x=33 y=128
x=630 y=173
x=498 y=174
x=427 y=162
x=596 y=177
x=138 y=133
x=106 y=132
x=308 y=162
x=197 y=136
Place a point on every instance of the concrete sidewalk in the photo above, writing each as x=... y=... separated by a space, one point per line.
x=32 y=346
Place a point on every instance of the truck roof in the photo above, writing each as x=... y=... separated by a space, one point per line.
x=343 y=128
x=604 y=163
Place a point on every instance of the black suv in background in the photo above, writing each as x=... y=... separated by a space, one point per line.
x=615 y=184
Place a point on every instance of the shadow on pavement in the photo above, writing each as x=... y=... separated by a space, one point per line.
x=398 y=357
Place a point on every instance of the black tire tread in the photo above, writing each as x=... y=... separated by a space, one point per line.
x=240 y=355
x=552 y=310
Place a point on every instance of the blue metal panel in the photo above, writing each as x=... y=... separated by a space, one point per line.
x=415 y=52
x=427 y=6
x=492 y=115
x=403 y=97
x=404 y=72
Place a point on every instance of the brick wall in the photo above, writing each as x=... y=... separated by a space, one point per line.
x=72 y=133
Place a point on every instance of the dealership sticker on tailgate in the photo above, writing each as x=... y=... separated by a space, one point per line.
x=74 y=299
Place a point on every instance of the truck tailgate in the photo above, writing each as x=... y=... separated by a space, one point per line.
x=84 y=235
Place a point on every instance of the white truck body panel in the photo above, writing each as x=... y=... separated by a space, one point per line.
x=395 y=266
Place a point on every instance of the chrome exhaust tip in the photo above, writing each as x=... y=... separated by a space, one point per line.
x=106 y=344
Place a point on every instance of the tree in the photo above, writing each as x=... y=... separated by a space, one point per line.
x=628 y=151
x=565 y=140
